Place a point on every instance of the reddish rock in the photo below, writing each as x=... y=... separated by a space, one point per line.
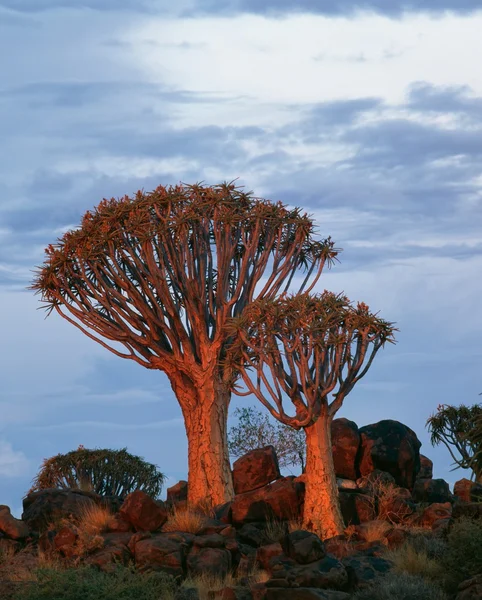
x=223 y=512
x=161 y=552
x=13 y=528
x=264 y=554
x=396 y=537
x=426 y=468
x=326 y=573
x=119 y=525
x=468 y=491
x=396 y=506
x=177 y=493
x=392 y=447
x=345 y=441
x=65 y=540
x=431 y=490
x=210 y=561
x=115 y=551
x=7 y=546
x=142 y=512
x=50 y=505
x=282 y=499
x=255 y=469
x=303 y=547
x=434 y=512
x=364 y=569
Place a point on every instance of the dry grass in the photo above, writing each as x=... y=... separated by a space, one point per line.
x=205 y=583
x=276 y=530
x=408 y=559
x=94 y=519
x=6 y=554
x=187 y=520
x=374 y=531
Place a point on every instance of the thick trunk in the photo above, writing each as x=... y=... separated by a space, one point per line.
x=322 y=513
x=205 y=409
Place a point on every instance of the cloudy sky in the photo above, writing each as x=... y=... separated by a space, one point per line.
x=365 y=113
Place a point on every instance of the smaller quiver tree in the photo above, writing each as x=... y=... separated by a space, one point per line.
x=459 y=428
x=102 y=471
x=302 y=348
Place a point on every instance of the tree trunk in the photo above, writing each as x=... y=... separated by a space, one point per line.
x=205 y=409
x=322 y=513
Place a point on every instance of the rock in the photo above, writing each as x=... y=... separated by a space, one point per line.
x=472 y=510
x=396 y=537
x=431 y=490
x=209 y=561
x=115 y=550
x=345 y=442
x=305 y=594
x=13 y=528
x=396 y=505
x=187 y=593
x=281 y=500
x=223 y=512
x=255 y=469
x=177 y=493
x=119 y=525
x=214 y=540
x=326 y=573
x=264 y=554
x=162 y=552
x=253 y=534
x=231 y=593
x=364 y=507
x=8 y=547
x=339 y=546
x=142 y=512
x=363 y=569
x=434 y=512
x=468 y=491
x=346 y=485
x=65 y=540
x=471 y=589
x=303 y=547
x=47 y=506
x=426 y=468
x=393 y=447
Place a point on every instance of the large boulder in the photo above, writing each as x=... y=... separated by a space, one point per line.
x=142 y=512
x=426 y=468
x=468 y=491
x=393 y=447
x=214 y=562
x=255 y=469
x=435 y=512
x=431 y=490
x=165 y=552
x=50 y=505
x=345 y=442
x=177 y=493
x=327 y=573
x=13 y=528
x=303 y=547
x=282 y=499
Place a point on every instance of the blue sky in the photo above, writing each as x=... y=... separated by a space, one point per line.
x=366 y=114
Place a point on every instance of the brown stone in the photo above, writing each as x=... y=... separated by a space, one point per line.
x=264 y=554
x=364 y=569
x=211 y=561
x=392 y=447
x=282 y=499
x=142 y=512
x=13 y=528
x=468 y=491
x=326 y=573
x=115 y=550
x=303 y=547
x=65 y=540
x=345 y=440
x=431 y=490
x=177 y=493
x=255 y=469
x=434 y=512
x=161 y=552
x=426 y=468
x=119 y=525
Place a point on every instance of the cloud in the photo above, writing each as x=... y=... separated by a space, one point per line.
x=13 y=463
x=107 y=425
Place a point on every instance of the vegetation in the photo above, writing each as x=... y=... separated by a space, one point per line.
x=256 y=430
x=462 y=558
x=103 y=471
x=162 y=273
x=303 y=347
x=459 y=429
x=186 y=519
x=88 y=583
x=401 y=586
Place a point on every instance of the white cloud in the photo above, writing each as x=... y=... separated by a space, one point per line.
x=13 y=463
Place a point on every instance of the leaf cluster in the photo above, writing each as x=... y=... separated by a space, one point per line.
x=103 y=471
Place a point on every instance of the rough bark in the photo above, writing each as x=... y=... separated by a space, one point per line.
x=321 y=513
x=205 y=409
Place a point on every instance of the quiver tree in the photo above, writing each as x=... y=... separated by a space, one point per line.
x=103 y=471
x=459 y=429
x=301 y=349
x=161 y=274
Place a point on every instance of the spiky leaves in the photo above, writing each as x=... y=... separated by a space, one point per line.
x=302 y=347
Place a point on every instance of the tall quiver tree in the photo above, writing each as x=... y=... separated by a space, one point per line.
x=161 y=274
x=301 y=349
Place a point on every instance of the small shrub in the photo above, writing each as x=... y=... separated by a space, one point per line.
x=374 y=531
x=95 y=519
x=187 y=520
x=462 y=558
x=87 y=583
x=407 y=559
x=205 y=584
x=275 y=530
x=432 y=545
x=6 y=554
x=401 y=586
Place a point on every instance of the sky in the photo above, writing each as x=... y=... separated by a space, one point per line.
x=367 y=114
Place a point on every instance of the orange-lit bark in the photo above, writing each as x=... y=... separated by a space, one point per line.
x=322 y=513
x=205 y=411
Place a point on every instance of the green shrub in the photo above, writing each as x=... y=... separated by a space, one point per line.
x=463 y=556
x=88 y=583
x=428 y=543
x=103 y=471
x=401 y=586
